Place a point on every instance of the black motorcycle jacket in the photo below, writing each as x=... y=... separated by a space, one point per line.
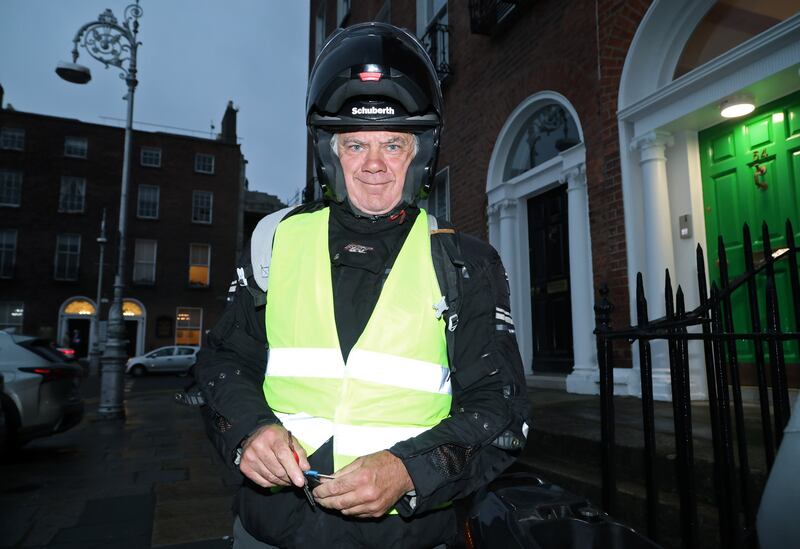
x=485 y=432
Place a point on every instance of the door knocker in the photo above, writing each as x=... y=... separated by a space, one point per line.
x=761 y=169
x=759 y=178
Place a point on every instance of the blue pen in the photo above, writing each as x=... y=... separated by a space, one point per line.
x=316 y=474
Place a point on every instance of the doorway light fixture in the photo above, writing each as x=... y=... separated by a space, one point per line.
x=737 y=106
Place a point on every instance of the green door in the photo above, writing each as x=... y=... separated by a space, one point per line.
x=751 y=174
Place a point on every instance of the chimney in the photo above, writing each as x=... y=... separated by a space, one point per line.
x=228 y=134
x=1 y=97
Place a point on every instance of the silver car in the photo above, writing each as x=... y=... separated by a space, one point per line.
x=41 y=394
x=173 y=358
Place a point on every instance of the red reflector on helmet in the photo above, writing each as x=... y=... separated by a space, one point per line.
x=370 y=76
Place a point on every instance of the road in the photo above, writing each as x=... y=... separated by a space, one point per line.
x=152 y=480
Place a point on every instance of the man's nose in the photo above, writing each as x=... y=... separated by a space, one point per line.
x=374 y=161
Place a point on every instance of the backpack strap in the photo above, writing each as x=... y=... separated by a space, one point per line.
x=450 y=270
x=260 y=258
x=261 y=246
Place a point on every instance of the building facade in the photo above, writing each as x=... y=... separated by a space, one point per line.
x=585 y=141
x=59 y=177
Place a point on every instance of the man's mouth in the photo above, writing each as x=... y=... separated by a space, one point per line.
x=374 y=183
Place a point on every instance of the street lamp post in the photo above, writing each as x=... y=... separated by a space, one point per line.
x=94 y=353
x=113 y=44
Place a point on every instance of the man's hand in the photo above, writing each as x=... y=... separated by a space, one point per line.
x=268 y=461
x=366 y=488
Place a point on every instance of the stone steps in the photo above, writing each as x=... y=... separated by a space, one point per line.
x=564 y=448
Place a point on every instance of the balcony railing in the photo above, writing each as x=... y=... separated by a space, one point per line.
x=437 y=42
x=487 y=16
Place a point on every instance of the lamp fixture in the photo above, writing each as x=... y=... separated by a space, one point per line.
x=737 y=106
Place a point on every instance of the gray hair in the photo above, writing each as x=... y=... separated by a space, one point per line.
x=335 y=144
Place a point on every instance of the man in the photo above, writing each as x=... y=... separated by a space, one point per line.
x=393 y=371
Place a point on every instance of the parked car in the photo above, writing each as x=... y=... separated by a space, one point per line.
x=67 y=352
x=41 y=395
x=173 y=358
x=2 y=418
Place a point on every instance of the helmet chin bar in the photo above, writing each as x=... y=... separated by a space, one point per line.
x=419 y=176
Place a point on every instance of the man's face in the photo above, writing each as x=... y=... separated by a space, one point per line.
x=375 y=166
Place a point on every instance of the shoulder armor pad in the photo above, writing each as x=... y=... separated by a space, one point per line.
x=261 y=245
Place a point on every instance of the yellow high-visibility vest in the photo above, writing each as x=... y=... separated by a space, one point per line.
x=396 y=381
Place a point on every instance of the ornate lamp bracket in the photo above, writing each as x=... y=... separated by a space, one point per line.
x=112 y=43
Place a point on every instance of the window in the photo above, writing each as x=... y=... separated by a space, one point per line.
x=199 y=265
x=161 y=353
x=202 y=202
x=10 y=188
x=76 y=147
x=12 y=139
x=147 y=205
x=319 y=26
x=548 y=132
x=68 y=251
x=188 y=325
x=12 y=314
x=430 y=12
x=728 y=24
x=8 y=252
x=73 y=195
x=150 y=156
x=144 y=261
x=384 y=14
x=186 y=351
x=432 y=26
x=438 y=201
x=204 y=163
x=342 y=11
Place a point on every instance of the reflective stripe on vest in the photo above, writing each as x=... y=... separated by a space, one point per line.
x=396 y=382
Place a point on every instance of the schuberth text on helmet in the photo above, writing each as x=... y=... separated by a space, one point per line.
x=374 y=76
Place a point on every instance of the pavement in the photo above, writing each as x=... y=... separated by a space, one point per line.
x=152 y=480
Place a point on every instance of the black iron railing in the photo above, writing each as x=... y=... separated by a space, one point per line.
x=712 y=322
x=437 y=41
x=488 y=16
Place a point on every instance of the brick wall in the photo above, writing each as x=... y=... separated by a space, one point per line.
x=552 y=46
x=38 y=220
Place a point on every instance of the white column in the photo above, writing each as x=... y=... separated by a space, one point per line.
x=493 y=219
x=508 y=249
x=585 y=374
x=658 y=247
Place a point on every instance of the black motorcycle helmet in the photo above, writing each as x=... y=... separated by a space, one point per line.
x=374 y=76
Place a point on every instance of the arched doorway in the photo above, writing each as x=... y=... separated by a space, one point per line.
x=670 y=90
x=538 y=221
x=135 y=316
x=75 y=320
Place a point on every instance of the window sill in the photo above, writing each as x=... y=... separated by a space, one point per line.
x=198 y=287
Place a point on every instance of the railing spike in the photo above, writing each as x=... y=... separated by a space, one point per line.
x=758 y=348
x=668 y=290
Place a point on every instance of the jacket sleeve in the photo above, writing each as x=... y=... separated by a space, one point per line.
x=488 y=424
x=230 y=372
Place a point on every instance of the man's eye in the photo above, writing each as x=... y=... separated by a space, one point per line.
x=393 y=147
x=355 y=147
